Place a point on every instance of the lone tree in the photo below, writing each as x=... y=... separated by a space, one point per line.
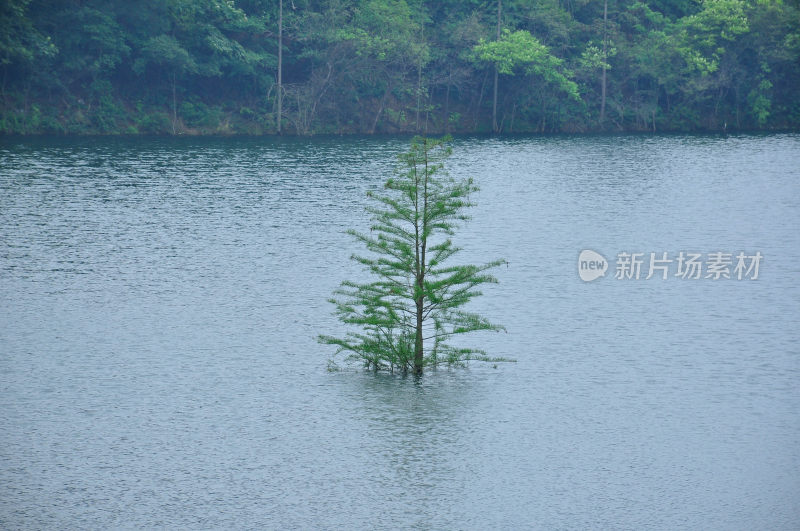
x=414 y=305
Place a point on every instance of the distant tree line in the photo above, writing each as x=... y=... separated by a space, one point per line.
x=389 y=66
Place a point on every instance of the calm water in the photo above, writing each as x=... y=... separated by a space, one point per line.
x=159 y=302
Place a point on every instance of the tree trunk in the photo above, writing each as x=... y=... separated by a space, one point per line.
x=422 y=241
x=5 y=75
x=480 y=102
x=494 y=102
x=419 y=78
x=428 y=107
x=418 y=352
x=380 y=108
x=321 y=94
x=280 y=66
x=174 y=104
x=419 y=94
x=447 y=102
x=605 y=59
x=419 y=300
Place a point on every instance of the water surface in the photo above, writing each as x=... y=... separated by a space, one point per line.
x=159 y=302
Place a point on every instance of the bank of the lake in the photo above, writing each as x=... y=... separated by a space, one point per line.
x=394 y=66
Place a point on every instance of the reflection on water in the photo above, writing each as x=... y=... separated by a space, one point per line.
x=160 y=300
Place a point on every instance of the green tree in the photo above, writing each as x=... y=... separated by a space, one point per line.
x=386 y=35
x=19 y=40
x=166 y=52
x=415 y=304
x=521 y=50
x=361 y=66
x=769 y=55
x=21 y=44
x=703 y=36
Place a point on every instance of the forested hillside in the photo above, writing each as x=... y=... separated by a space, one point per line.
x=387 y=66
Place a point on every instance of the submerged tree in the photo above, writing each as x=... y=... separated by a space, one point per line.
x=414 y=305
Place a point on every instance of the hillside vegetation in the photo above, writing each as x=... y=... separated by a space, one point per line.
x=396 y=66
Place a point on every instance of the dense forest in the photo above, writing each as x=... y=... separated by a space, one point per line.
x=389 y=66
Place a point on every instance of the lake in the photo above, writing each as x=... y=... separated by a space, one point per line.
x=160 y=301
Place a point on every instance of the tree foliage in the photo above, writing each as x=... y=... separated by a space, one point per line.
x=414 y=306
x=20 y=42
x=520 y=49
x=386 y=66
